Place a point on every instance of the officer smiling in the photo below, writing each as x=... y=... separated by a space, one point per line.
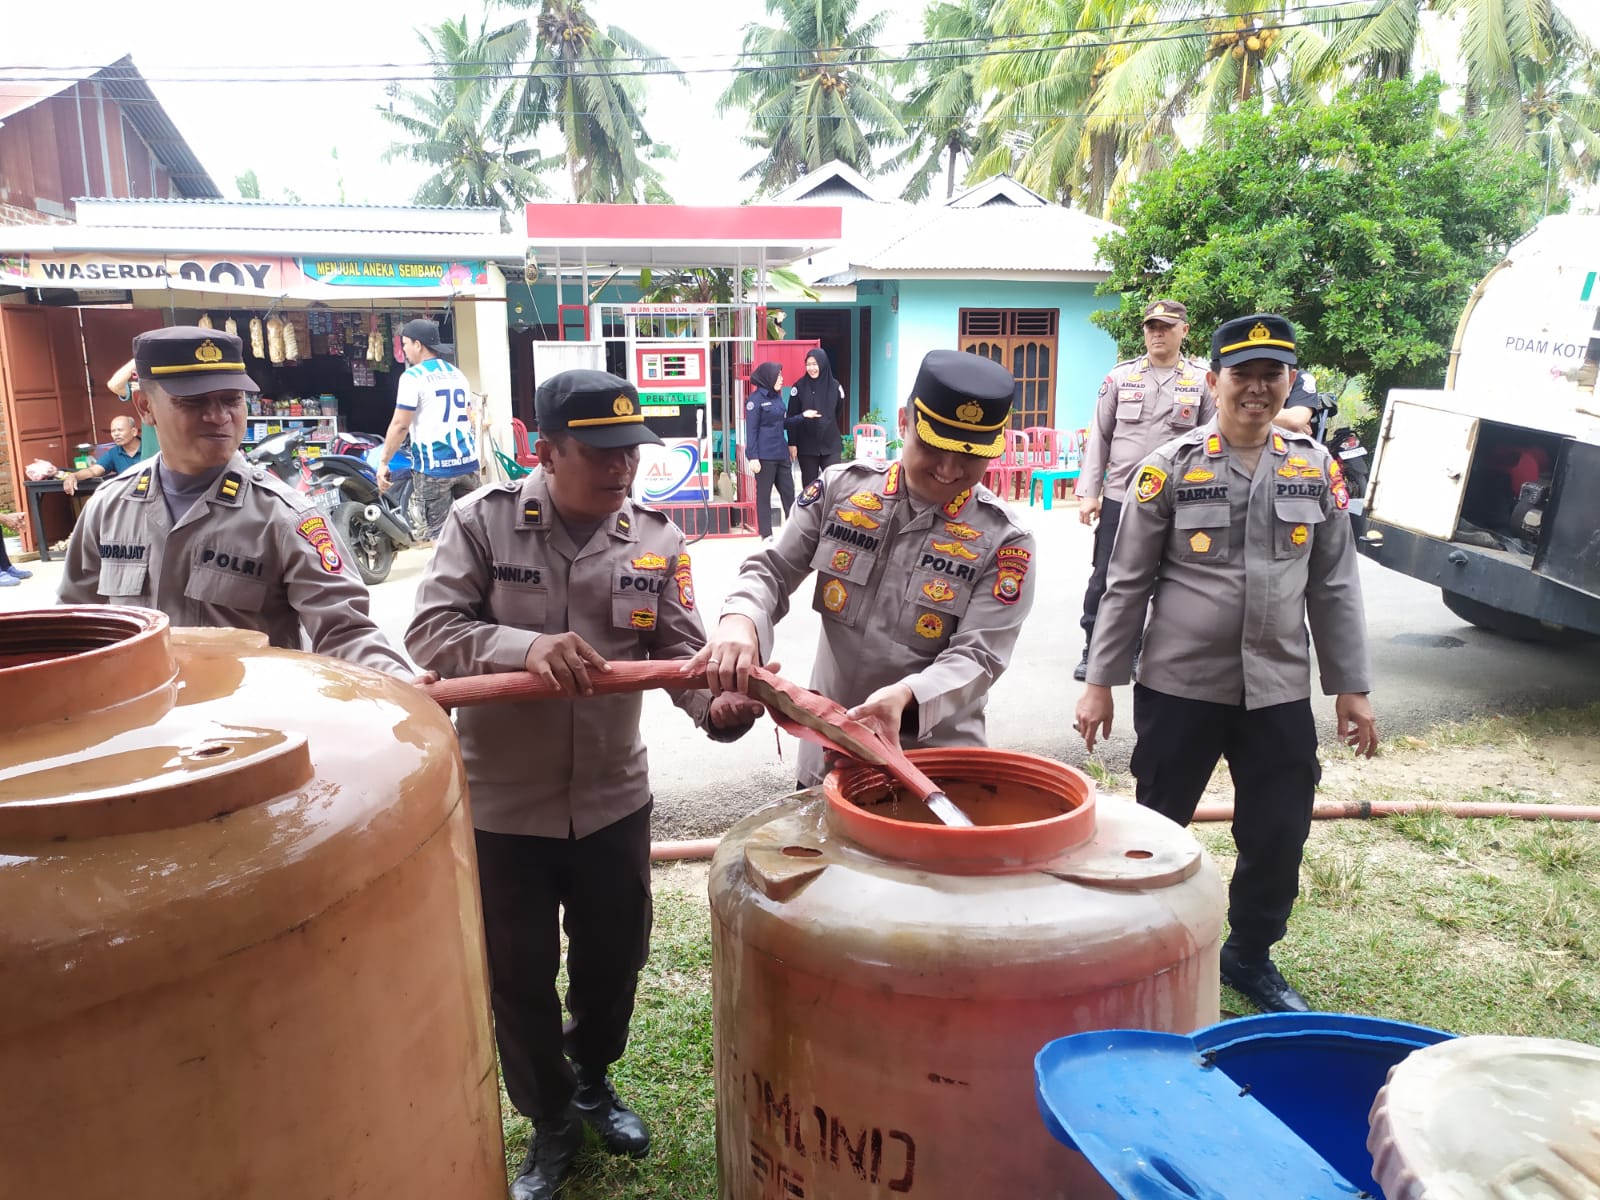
x=922 y=575
x=207 y=538
x=1237 y=535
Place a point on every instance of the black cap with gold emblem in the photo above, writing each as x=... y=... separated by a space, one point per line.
x=186 y=360
x=1260 y=335
x=961 y=402
x=596 y=407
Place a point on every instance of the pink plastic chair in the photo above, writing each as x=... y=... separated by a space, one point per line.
x=1007 y=475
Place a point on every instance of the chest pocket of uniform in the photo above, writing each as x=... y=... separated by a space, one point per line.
x=525 y=605
x=934 y=606
x=1200 y=532
x=225 y=590
x=122 y=579
x=636 y=599
x=850 y=563
x=1294 y=525
x=1185 y=408
x=1130 y=404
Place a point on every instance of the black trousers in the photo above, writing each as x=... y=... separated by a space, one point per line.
x=812 y=465
x=602 y=882
x=1105 y=534
x=779 y=471
x=1272 y=757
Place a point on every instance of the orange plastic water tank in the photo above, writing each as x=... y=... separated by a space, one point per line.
x=240 y=948
x=882 y=983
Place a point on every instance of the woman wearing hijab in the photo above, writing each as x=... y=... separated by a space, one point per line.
x=765 y=448
x=813 y=418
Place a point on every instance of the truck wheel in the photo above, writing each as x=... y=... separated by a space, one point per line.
x=368 y=545
x=1512 y=625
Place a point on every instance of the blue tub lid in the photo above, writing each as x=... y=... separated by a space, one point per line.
x=1159 y=1122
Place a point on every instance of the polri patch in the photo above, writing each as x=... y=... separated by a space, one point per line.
x=835 y=596
x=929 y=625
x=685 y=581
x=841 y=560
x=649 y=562
x=1200 y=542
x=642 y=618
x=1149 y=484
x=315 y=530
x=938 y=591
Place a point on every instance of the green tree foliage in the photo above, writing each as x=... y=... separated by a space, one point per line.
x=813 y=92
x=1353 y=219
x=466 y=126
x=580 y=80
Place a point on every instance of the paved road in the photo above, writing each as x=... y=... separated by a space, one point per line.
x=1429 y=667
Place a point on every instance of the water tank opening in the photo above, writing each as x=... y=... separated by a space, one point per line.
x=801 y=852
x=44 y=636
x=1138 y=854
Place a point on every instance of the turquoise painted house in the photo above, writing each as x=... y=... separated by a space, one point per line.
x=997 y=270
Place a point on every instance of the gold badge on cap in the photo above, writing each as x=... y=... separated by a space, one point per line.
x=207 y=352
x=1159 y=310
x=970 y=412
x=1259 y=333
x=622 y=406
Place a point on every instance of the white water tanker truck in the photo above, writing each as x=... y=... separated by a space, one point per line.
x=1490 y=488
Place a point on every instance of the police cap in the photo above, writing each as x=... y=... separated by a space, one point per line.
x=1260 y=335
x=1170 y=312
x=961 y=402
x=186 y=360
x=596 y=407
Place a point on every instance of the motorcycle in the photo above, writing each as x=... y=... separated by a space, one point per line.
x=345 y=488
x=1346 y=446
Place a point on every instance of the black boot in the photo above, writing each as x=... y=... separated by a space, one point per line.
x=1081 y=671
x=621 y=1129
x=1254 y=975
x=551 y=1149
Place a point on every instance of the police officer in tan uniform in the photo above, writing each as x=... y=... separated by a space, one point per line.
x=922 y=577
x=1237 y=535
x=1143 y=402
x=206 y=537
x=556 y=574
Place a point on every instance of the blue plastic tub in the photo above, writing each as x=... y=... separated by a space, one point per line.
x=1263 y=1106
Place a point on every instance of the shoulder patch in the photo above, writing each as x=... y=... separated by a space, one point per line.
x=811 y=495
x=315 y=531
x=1149 y=484
x=685 y=580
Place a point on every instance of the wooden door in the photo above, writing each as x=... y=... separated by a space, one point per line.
x=1024 y=341
x=31 y=395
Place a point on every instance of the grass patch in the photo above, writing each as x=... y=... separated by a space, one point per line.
x=1473 y=926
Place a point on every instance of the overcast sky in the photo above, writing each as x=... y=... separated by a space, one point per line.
x=289 y=133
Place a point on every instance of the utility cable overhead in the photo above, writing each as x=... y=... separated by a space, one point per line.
x=798 y=60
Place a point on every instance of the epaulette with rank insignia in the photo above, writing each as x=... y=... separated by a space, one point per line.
x=228 y=489
x=624 y=525
x=142 y=488
x=533 y=511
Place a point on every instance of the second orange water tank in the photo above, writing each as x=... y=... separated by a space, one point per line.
x=882 y=984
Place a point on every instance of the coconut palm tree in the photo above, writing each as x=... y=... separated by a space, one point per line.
x=813 y=91
x=465 y=127
x=1052 y=61
x=580 y=81
x=941 y=115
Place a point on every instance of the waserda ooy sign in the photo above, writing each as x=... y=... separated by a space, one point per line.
x=240 y=275
x=1537 y=319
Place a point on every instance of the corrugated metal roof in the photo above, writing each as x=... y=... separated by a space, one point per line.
x=122 y=82
x=1047 y=239
x=184 y=214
